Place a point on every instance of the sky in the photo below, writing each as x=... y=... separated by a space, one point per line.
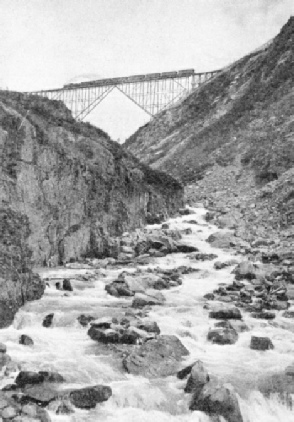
x=45 y=44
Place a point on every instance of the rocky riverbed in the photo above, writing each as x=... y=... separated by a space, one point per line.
x=180 y=327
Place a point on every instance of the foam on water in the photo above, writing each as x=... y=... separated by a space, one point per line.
x=66 y=348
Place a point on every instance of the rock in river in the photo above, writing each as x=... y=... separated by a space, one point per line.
x=26 y=340
x=198 y=378
x=223 y=335
x=156 y=358
x=261 y=343
x=217 y=400
x=87 y=398
x=226 y=313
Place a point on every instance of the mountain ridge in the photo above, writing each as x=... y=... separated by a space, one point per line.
x=222 y=118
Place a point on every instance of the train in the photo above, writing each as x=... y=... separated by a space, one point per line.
x=132 y=79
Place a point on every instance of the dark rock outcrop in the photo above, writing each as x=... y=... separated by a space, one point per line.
x=67 y=192
x=18 y=283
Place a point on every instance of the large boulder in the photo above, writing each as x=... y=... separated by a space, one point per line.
x=158 y=357
x=87 y=398
x=215 y=399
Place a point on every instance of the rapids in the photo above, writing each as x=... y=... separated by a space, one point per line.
x=66 y=348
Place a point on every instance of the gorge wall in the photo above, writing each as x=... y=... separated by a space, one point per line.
x=66 y=192
x=244 y=112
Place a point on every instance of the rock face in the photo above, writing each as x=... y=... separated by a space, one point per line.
x=229 y=112
x=158 y=357
x=18 y=284
x=66 y=192
x=234 y=136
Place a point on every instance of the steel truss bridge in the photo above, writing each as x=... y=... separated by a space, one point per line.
x=152 y=92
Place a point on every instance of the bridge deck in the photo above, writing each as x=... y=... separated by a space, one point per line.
x=153 y=92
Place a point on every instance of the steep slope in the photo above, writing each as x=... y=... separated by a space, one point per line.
x=245 y=112
x=66 y=192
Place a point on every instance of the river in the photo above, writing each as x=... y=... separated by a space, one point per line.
x=66 y=348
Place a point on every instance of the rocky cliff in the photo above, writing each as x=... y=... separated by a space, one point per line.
x=232 y=142
x=66 y=192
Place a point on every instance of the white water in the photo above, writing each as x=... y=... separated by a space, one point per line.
x=66 y=348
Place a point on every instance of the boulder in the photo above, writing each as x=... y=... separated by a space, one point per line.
x=41 y=394
x=140 y=300
x=263 y=315
x=223 y=335
x=103 y=336
x=85 y=319
x=181 y=247
x=246 y=270
x=26 y=340
x=185 y=211
x=222 y=240
x=226 y=313
x=158 y=357
x=29 y=377
x=209 y=296
x=198 y=378
x=148 y=326
x=53 y=377
x=104 y=322
x=47 y=321
x=87 y=398
x=183 y=373
x=261 y=343
x=66 y=285
x=217 y=400
x=236 y=324
x=133 y=335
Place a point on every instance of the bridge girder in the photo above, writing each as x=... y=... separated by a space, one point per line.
x=151 y=95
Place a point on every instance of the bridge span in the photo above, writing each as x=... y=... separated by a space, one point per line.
x=152 y=92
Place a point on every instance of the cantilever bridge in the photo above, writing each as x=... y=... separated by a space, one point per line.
x=152 y=92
